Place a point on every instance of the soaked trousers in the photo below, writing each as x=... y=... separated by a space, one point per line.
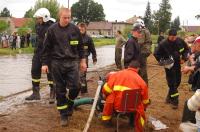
x=36 y=72
x=143 y=68
x=66 y=76
x=118 y=57
x=173 y=77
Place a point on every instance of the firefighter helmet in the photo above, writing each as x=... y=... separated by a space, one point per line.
x=44 y=13
x=140 y=21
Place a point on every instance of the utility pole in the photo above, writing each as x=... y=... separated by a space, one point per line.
x=68 y=4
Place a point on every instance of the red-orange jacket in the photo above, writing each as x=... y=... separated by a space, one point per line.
x=123 y=80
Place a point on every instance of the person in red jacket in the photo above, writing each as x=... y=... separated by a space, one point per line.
x=120 y=81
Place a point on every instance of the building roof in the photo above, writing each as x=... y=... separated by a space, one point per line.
x=132 y=19
x=121 y=23
x=19 y=22
x=103 y=25
x=192 y=28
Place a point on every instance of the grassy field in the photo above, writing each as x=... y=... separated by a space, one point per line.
x=103 y=41
x=97 y=41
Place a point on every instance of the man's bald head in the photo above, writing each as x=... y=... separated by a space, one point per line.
x=64 y=15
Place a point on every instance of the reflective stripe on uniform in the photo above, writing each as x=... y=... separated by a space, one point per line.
x=181 y=50
x=146 y=101
x=75 y=42
x=62 y=107
x=50 y=82
x=120 y=88
x=174 y=95
x=70 y=99
x=83 y=84
x=85 y=47
x=105 y=118
x=35 y=80
x=142 y=120
x=107 y=88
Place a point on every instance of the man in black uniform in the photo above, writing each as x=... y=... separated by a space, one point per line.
x=88 y=48
x=43 y=22
x=64 y=48
x=172 y=48
x=132 y=48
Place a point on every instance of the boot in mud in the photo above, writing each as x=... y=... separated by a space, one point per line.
x=35 y=95
x=52 y=95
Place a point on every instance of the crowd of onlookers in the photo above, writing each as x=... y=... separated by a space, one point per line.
x=15 y=40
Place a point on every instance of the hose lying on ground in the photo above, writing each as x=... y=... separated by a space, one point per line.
x=83 y=101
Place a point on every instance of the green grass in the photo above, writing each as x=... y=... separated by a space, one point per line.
x=154 y=39
x=97 y=41
x=8 y=51
x=103 y=41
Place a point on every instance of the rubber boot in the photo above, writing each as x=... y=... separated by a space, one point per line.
x=52 y=95
x=64 y=121
x=35 y=95
x=70 y=107
x=174 y=103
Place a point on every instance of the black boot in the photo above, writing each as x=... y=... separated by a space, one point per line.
x=174 y=103
x=64 y=121
x=35 y=95
x=70 y=107
x=52 y=95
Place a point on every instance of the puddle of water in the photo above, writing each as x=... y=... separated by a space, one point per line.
x=15 y=74
x=15 y=71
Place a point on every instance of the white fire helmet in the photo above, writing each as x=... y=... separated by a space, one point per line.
x=140 y=21
x=44 y=13
x=194 y=102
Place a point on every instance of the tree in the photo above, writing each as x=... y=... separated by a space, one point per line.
x=3 y=25
x=31 y=25
x=52 y=5
x=87 y=11
x=5 y=13
x=29 y=13
x=163 y=16
x=176 y=23
x=148 y=17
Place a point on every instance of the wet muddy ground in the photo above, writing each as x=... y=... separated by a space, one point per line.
x=17 y=115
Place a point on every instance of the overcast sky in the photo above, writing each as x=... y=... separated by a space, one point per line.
x=120 y=9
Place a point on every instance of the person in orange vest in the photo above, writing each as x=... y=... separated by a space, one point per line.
x=118 y=82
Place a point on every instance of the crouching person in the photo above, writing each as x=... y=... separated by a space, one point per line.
x=188 y=118
x=191 y=114
x=116 y=84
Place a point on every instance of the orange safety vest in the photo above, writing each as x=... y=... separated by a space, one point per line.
x=118 y=82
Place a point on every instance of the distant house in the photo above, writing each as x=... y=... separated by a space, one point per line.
x=15 y=23
x=100 y=28
x=191 y=28
x=120 y=26
x=106 y=28
x=132 y=19
x=19 y=22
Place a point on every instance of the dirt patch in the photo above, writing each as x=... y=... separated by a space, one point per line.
x=40 y=116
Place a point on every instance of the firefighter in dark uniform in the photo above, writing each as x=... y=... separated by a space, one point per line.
x=145 y=47
x=176 y=49
x=64 y=48
x=42 y=16
x=132 y=48
x=88 y=48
